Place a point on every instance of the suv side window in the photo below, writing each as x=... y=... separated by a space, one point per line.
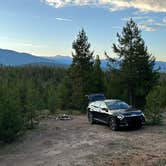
x=103 y=105
x=97 y=104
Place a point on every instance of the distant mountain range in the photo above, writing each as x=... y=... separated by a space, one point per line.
x=13 y=58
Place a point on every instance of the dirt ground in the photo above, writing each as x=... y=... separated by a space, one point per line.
x=77 y=143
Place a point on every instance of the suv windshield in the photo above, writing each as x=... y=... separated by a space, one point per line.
x=117 y=105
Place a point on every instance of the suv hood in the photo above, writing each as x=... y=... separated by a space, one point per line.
x=128 y=112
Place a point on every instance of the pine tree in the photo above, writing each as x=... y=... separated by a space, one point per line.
x=31 y=104
x=11 y=122
x=63 y=97
x=138 y=75
x=98 y=76
x=51 y=97
x=156 y=104
x=81 y=70
x=113 y=85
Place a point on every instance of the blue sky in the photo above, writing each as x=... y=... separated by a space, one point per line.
x=48 y=27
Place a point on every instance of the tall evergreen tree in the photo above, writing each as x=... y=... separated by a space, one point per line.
x=138 y=75
x=112 y=79
x=113 y=85
x=98 y=76
x=81 y=70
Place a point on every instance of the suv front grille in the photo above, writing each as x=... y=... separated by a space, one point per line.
x=133 y=120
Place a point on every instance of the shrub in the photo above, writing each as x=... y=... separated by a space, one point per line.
x=11 y=123
x=156 y=104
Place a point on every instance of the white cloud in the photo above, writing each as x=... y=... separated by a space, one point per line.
x=63 y=19
x=152 y=25
x=141 y=5
x=147 y=27
x=147 y=23
x=114 y=5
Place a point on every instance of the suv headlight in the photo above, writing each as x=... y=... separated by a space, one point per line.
x=120 y=116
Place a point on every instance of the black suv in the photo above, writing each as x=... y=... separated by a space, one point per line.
x=115 y=113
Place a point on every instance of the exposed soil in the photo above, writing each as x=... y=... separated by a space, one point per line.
x=77 y=143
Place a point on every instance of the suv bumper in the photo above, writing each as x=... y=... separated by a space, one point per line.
x=132 y=121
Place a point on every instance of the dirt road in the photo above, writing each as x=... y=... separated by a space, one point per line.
x=77 y=143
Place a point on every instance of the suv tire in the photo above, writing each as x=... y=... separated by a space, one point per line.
x=113 y=124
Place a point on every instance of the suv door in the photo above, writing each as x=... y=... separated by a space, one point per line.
x=95 y=110
x=104 y=112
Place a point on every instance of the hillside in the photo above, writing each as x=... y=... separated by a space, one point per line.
x=13 y=58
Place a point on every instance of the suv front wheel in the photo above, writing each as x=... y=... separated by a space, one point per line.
x=113 y=124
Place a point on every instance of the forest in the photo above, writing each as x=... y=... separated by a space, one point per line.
x=26 y=91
